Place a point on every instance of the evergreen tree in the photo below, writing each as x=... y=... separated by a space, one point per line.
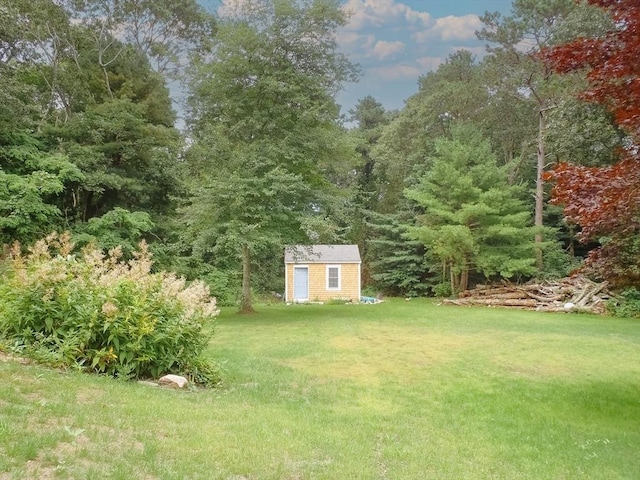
x=473 y=220
x=398 y=265
x=517 y=41
x=453 y=92
x=370 y=117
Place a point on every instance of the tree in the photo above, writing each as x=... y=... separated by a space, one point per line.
x=519 y=38
x=265 y=133
x=36 y=44
x=605 y=201
x=398 y=265
x=31 y=180
x=473 y=219
x=127 y=160
x=583 y=133
x=370 y=117
x=118 y=132
x=453 y=92
x=577 y=131
x=164 y=31
x=116 y=228
x=32 y=177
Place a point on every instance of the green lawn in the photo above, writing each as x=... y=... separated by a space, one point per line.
x=399 y=390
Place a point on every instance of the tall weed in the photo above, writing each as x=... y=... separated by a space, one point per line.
x=102 y=314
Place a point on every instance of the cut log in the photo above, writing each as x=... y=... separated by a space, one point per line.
x=486 y=291
x=590 y=297
x=506 y=302
x=551 y=308
x=545 y=297
x=582 y=293
x=510 y=295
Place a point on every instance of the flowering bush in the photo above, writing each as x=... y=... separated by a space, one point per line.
x=103 y=314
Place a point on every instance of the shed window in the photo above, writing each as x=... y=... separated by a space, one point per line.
x=333 y=277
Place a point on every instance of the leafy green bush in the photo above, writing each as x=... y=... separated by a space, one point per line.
x=627 y=304
x=102 y=314
x=117 y=227
x=442 y=289
x=558 y=263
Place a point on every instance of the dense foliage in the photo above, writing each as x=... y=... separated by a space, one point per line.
x=472 y=220
x=265 y=134
x=605 y=201
x=89 y=144
x=627 y=304
x=86 y=120
x=99 y=313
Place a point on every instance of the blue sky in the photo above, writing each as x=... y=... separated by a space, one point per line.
x=396 y=41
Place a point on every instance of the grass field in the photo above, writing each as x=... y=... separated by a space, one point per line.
x=399 y=390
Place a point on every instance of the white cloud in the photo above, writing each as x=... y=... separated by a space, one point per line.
x=355 y=45
x=360 y=47
x=376 y=13
x=394 y=73
x=451 y=28
x=383 y=50
x=430 y=63
x=479 y=52
x=346 y=38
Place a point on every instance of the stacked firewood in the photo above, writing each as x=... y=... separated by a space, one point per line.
x=576 y=293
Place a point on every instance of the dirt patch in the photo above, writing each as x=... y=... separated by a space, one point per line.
x=78 y=453
x=7 y=357
x=382 y=355
x=36 y=397
x=387 y=355
x=36 y=469
x=86 y=396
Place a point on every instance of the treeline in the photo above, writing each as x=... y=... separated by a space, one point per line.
x=87 y=136
x=442 y=194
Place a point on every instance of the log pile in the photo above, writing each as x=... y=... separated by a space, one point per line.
x=576 y=293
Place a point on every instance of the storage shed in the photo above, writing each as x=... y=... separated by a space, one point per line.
x=318 y=273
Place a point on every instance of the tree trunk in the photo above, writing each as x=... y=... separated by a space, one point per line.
x=538 y=221
x=87 y=205
x=572 y=239
x=246 y=306
x=453 y=280
x=464 y=280
x=459 y=281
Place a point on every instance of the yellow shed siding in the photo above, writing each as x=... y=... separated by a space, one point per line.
x=318 y=291
x=289 y=282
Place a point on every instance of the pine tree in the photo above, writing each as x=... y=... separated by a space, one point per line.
x=473 y=220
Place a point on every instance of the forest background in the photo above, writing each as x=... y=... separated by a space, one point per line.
x=451 y=190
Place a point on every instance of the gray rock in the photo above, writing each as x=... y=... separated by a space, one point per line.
x=173 y=381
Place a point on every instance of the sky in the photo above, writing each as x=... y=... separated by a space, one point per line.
x=397 y=41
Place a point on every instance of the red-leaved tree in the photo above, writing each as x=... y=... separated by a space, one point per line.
x=605 y=201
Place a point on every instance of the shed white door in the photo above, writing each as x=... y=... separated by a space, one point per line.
x=300 y=283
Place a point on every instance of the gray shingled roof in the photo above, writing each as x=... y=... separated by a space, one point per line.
x=322 y=254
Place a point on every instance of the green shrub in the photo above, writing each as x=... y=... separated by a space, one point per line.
x=101 y=314
x=558 y=263
x=442 y=289
x=225 y=285
x=627 y=304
